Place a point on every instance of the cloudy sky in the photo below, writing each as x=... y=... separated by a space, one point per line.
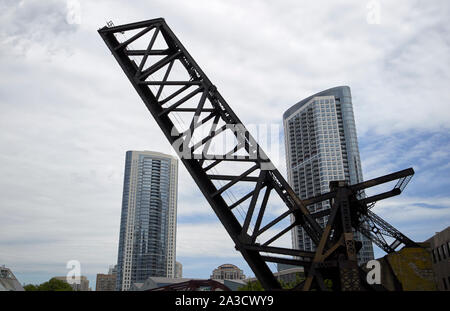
x=68 y=114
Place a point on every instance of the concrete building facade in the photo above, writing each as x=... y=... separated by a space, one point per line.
x=105 y=282
x=178 y=270
x=147 y=240
x=227 y=272
x=8 y=281
x=440 y=252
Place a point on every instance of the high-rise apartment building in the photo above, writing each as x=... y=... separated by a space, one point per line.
x=148 y=220
x=178 y=270
x=112 y=269
x=322 y=146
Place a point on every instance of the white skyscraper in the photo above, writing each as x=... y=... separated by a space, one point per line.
x=147 y=241
x=322 y=146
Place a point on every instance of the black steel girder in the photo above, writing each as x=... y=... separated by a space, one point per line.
x=198 y=96
x=167 y=92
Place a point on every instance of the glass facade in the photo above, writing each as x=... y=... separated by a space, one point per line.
x=148 y=220
x=321 y=146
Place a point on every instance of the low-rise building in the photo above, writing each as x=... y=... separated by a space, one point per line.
x=227 y=272
x=290 y=275
x=440 y=252
x=287 y=274
x=105 y=282
x=8 y=281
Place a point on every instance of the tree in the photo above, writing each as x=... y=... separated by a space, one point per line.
x=256 y=285
x=251 y=286
x=52 y=285
x=30 y=288
x=299 y=277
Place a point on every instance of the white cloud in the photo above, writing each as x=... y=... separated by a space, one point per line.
x=212 y=240
x=417 y=217
x=69 y=113
x=383 y=154
x=204 y=240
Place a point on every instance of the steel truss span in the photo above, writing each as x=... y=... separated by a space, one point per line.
x=197 y=120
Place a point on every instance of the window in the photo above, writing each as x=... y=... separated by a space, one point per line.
x=438 y=253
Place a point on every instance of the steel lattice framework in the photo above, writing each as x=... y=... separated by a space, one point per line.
x=170 y=83
x=192 y=285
